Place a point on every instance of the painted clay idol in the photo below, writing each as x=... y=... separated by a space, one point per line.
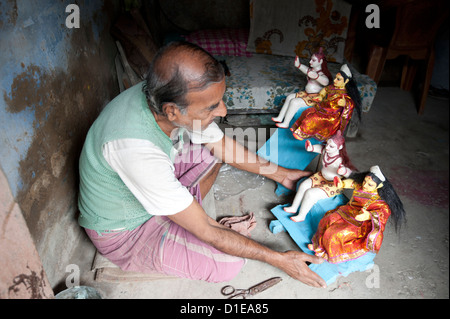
x=319 y=186
x=318 y=77
x=354 y=229
x=333 y=110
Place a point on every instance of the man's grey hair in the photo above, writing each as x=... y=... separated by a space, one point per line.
x=167 y=83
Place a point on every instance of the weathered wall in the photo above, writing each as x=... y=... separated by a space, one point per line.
x=22 y=274
x=54 y=82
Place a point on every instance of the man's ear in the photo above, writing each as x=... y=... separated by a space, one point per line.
x=170 y=110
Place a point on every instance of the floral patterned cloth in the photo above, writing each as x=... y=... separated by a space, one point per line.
x=290 y=28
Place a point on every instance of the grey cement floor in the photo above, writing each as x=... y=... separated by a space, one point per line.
x=412 y=151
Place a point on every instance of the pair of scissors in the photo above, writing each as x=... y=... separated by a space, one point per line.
x=233 y=293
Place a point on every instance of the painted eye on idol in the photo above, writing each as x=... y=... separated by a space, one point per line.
x=331 y=145
x=369 y=184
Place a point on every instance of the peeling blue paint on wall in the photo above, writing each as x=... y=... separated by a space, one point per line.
x=32 y=33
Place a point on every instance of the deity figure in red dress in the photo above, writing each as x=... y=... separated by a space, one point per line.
x=352 y=230
x=333 y=110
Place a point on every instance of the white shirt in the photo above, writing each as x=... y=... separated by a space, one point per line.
x=149 y=174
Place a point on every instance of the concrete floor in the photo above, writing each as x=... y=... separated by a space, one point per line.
x=412 y=151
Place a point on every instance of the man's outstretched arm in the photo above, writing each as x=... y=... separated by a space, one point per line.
x=231 y=152
x=195 y=220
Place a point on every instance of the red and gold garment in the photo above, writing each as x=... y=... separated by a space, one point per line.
x=340 y=237
x=325 y=118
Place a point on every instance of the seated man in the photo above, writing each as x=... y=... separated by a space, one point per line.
x=141 y=182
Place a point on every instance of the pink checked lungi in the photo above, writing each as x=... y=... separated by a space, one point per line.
x=160 y=245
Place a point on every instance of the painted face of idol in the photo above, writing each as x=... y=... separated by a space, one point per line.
x=339 y=81
x=369 y=185
x=315 y=63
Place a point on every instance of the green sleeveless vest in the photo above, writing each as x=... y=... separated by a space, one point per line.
x=104 y=201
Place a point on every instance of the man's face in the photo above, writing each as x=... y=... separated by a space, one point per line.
x=204 y=106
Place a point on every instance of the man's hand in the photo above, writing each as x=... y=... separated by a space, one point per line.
x=292 y=177
x=195 y=220
x=296 y=267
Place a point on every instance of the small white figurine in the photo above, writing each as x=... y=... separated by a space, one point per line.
x=320 y=185
x=318 y=77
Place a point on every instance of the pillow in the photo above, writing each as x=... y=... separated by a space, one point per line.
x=290 y=28
x=228 y=42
